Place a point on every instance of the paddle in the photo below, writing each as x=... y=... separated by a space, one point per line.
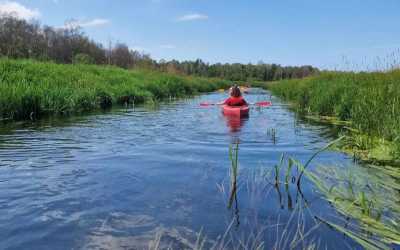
x=260 y=104
x=206 y=104
x=263 y=104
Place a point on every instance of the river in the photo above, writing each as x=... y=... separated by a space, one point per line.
x=120 y=179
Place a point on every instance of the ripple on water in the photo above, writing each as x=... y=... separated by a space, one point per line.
x=117 y=180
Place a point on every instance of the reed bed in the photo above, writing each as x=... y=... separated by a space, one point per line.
x=31 y=89
x=369 y=101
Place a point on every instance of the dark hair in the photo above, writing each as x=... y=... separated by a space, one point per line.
x=236 y=91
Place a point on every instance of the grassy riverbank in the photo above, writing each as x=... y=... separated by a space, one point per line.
x=31 y=89
x=369 y=102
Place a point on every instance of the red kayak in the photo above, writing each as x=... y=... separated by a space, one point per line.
x=238 y=111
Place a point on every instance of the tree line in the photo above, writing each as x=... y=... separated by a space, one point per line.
x=22 y=39
x=237 y=71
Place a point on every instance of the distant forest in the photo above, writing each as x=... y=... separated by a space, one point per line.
x=22 y=39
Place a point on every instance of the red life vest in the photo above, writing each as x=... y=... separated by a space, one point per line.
x=235 y=101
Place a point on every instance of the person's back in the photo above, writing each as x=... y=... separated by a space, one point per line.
x=236 y=98
x=235 y=101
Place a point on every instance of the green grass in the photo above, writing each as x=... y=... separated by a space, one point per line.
x=369 y=102
x=31 y=89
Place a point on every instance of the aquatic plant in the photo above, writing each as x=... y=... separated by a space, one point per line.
x=369 y=200
x=369 y=101
x=367 y=203
x=289 y=234
x=271 y=132
x=233 y=157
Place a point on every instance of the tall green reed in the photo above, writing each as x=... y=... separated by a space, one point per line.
x=31 y=89
x=370 y=101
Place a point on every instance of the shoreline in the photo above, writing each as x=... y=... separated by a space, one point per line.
x=30 y=90
x=321 y=98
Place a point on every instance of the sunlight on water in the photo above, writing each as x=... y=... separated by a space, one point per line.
x=119 y=179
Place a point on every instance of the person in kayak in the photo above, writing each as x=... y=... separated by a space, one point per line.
x=235 y=98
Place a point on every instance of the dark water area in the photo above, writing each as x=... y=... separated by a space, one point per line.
x=119 y=179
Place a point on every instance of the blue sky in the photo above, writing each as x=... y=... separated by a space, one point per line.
x=328 y=34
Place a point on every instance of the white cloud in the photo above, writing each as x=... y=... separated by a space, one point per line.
x=87 y=23
x=192 y=17
x=18 y=10
x=167 y=46
x=95 y=22
x=139 y=49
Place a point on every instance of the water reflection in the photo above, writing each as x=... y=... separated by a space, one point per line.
x=115 y=180
x=235 y=123
x=233 y=156
x=277 y=187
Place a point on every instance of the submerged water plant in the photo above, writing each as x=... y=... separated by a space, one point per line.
x=367 y=205
x=370 y=201
x=367 y=200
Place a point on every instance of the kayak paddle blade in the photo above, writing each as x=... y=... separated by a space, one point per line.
x=264 y=104
x=206 y=104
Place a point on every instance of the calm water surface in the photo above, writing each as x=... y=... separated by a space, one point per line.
x=116 y=180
